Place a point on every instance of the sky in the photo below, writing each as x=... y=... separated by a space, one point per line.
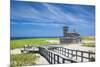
x=38 y=19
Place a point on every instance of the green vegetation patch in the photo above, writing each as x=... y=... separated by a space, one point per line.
x=89 y=44
x=32 y=41
x=23 y=59
x=88 y=38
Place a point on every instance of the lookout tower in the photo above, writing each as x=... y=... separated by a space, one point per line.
x=69 y=37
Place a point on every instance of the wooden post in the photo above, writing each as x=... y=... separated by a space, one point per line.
x=65 y=52
x=62 y=51
x=89 y=56
x=81 y=56
x=51 y=58
x=54 y=58
x=76 y=54
x=58 y=59
x=68 y=52
x=58 y=50
x=72 y=53
x=48 y=55
x=63 y=61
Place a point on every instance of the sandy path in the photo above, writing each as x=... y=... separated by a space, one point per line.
x=79 y=47
x=41 y=60
x=15 y=51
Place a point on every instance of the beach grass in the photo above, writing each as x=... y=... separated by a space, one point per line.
x=88 y=41
x=18 y=43
x=23 y=59
x=88 y=44
x=88 y=38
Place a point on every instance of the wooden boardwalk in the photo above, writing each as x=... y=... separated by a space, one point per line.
x=60 y=55
x=78 y=55
x=54 y=57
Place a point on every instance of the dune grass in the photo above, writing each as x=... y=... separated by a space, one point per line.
x=89 y=41
x=23 y=60
x=33 y=41
x=88 y=38
x=89 y=44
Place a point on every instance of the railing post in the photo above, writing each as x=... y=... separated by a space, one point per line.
x=72 y=53
x=60 y=50
x=48 y=55
x=65 y=52
x=68 y=52
x=89 y=56
x=54 y=59
x=63 y=60
x=76 y=54
x=58 y=59
x=81 y=56
x=51 y=58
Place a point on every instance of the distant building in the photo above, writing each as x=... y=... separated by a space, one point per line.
x=69 y=37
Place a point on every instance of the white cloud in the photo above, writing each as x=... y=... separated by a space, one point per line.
x=52 y=14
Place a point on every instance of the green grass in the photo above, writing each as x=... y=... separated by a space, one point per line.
x=88 y=38
x=88 y=44
x=33 y=41
x=23 y=60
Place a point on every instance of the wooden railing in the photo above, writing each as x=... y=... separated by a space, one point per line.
x=53 y=57
x=59 y=55
x=78 y=55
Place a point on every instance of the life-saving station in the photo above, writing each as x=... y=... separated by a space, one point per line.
x=69 y=37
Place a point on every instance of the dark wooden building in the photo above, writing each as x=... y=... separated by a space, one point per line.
x=69 y=37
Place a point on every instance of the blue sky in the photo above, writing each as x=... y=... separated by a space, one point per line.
x=34 y=19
